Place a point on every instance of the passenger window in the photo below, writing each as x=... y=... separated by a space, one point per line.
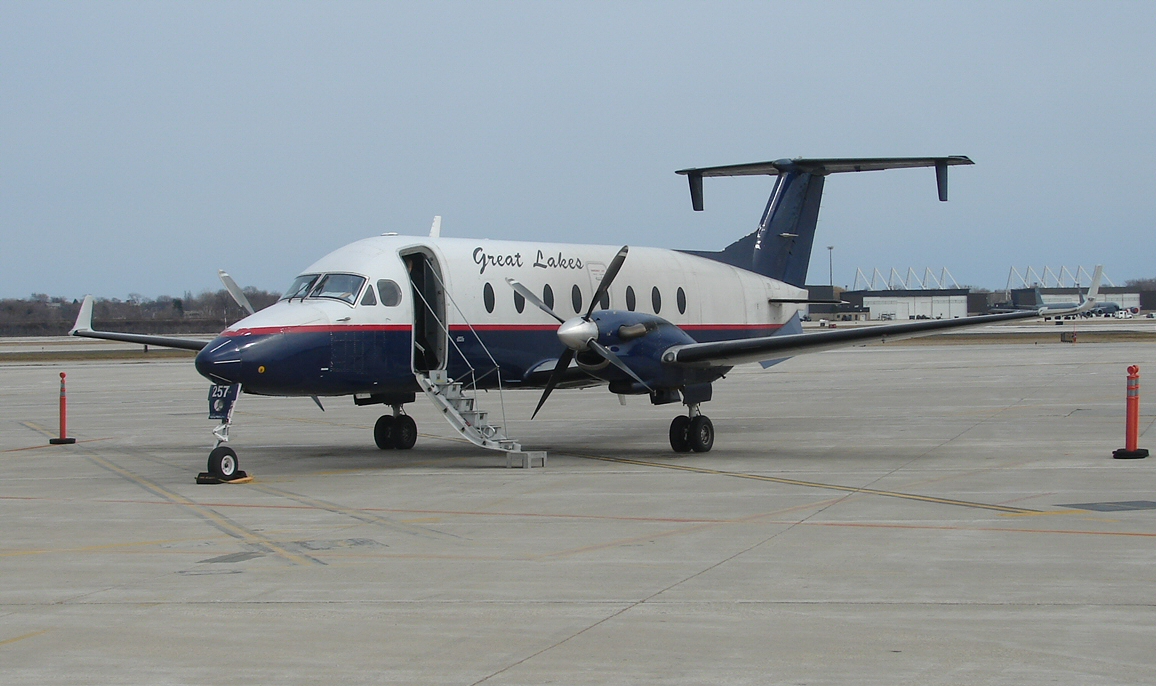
x=630 y=298
x=488 y=297
x=656 y=299
x=548 y=296
x=576 y=299
x=390 y=293
x=519 y=302
x=604 y=301
x=681 y=295
x=368 y=298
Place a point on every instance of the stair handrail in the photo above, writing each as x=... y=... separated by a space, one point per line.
x=450 y=338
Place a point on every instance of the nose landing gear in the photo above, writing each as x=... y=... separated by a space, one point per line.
x=398 y=430
x=692 y=431
x=223 y=463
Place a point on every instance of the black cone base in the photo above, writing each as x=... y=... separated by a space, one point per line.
x=61 y=441
x=1123 y=454
x=208 y=478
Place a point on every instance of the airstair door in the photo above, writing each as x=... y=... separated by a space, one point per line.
x=430 y=332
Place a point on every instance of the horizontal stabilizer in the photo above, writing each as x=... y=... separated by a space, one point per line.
x=822 y=167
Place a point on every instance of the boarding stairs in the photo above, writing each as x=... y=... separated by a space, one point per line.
x=461 y=411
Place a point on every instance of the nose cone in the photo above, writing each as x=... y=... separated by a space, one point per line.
x=220 y=361
x=576 y=333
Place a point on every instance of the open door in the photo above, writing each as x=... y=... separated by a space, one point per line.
x=430 y=337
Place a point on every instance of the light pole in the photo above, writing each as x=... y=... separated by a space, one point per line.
x=831 y=264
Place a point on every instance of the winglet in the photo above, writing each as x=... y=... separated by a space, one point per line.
x=83 y=318
x=435 y=229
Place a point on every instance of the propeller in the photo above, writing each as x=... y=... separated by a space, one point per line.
x=235 y=291
x=579 y=334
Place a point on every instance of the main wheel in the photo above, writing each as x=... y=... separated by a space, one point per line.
x=678 y=434
x=383 y=432
x=223 y=462
x=404 y=432
x=701 y=434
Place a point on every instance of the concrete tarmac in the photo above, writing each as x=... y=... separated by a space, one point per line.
x=885 y=515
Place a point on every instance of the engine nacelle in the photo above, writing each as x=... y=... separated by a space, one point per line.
x=639 y=339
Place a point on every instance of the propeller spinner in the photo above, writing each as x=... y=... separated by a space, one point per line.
x=579 y=334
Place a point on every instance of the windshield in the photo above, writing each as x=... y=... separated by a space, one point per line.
x=343 y=287
x=300 y=286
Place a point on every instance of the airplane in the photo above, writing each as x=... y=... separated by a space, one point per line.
x=388 y=316
x=1024 y=299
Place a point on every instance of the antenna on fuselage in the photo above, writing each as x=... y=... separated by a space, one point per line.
x=435 y=231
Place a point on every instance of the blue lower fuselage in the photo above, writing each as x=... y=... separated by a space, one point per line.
x=332 y=360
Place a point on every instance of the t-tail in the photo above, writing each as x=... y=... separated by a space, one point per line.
x=781 y=246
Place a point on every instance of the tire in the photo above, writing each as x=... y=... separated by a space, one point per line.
x=223 y=462
x=383 y=432
x=701 y=434
x=679 y=426
x=404 y=432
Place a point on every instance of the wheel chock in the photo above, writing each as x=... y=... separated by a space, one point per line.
x=239 y=478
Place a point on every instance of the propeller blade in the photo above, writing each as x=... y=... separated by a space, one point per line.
x=559 y=369
x=533 y=299
x=608 y=278
x=614 y=360
x=235 y=291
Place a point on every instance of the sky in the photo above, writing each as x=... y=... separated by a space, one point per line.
x=145 y=145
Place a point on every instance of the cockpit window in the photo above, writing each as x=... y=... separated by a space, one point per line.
x=369 y=298
x=300 y=286
x=390 y=293
x=344 y=287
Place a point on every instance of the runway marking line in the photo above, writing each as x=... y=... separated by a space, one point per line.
x=34 y=634
x=221 y=522
x=811 y=484
x=362 y=515
x=216 y=519
x=698 y=526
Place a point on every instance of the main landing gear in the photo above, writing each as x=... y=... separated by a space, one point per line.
x=397 y=430
x=692 y=431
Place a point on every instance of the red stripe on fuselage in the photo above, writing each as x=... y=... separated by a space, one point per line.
x=316 y=328
x=331 y=328
x=505 y=327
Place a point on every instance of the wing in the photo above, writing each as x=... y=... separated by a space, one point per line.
x=787 y=345
x=769 y=347
x=83 y=327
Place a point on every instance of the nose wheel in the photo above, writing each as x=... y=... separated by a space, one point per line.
x=692 y=431
x=395 y=431
x=223 y=463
